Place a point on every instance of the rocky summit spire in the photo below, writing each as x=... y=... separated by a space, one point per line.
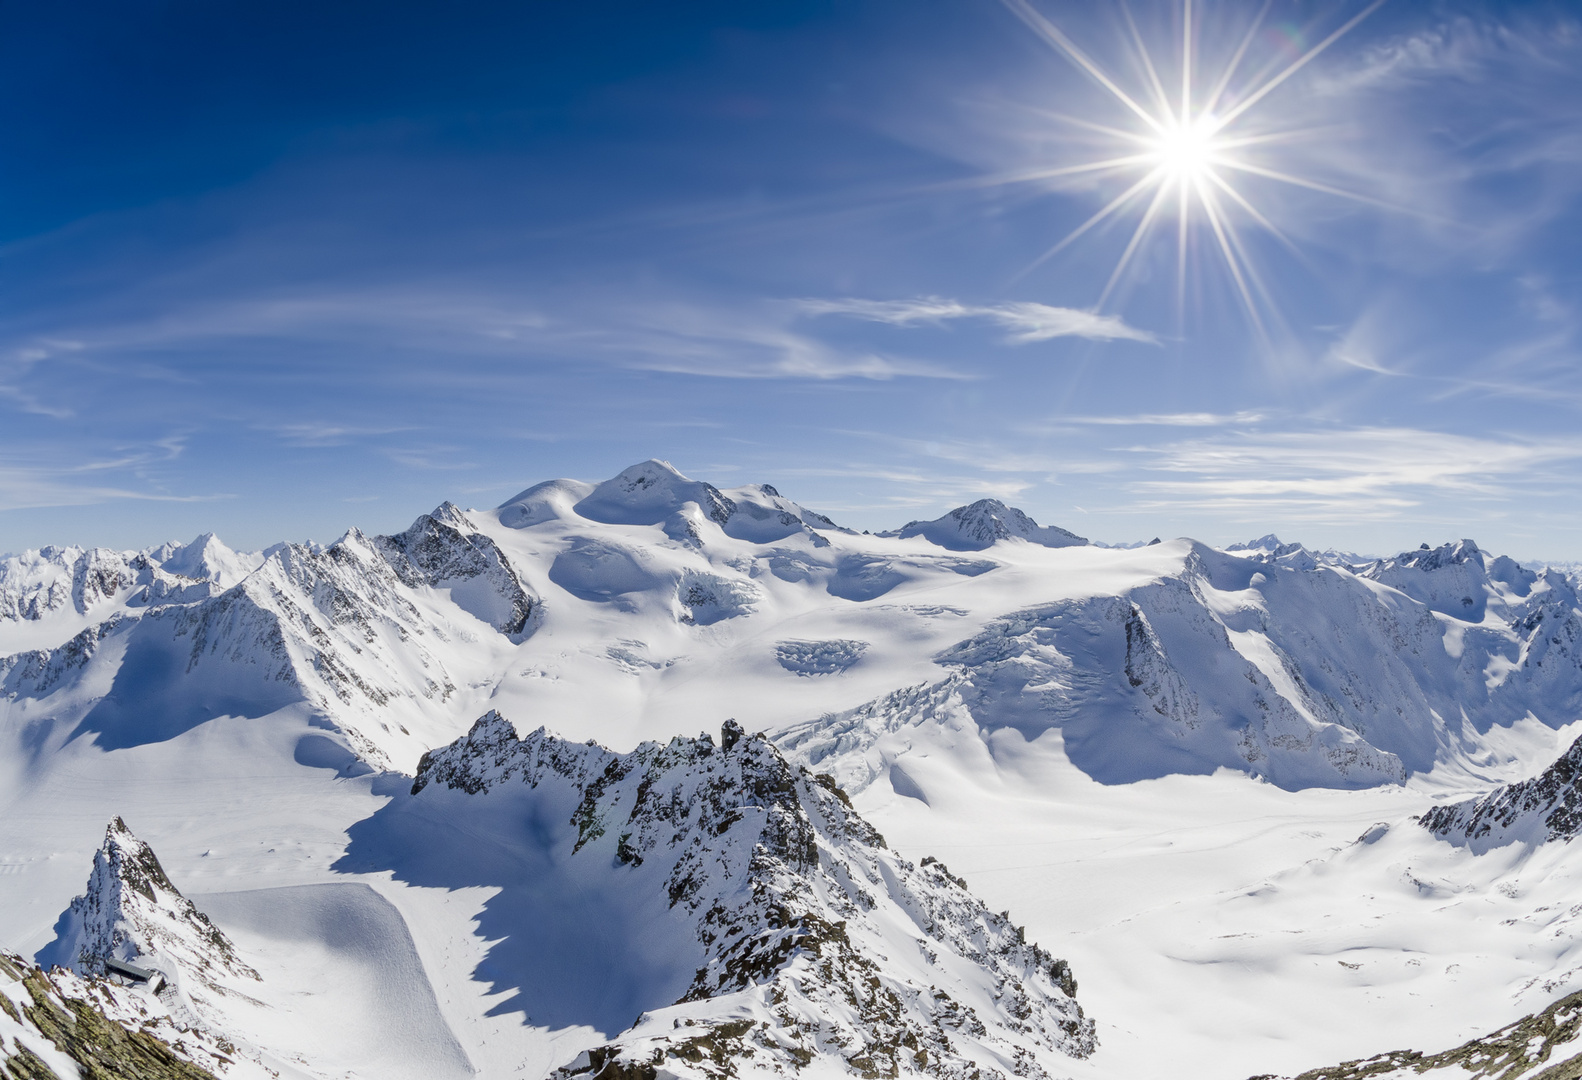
x=131 y=912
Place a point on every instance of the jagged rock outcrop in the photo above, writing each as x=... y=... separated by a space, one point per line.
x=132 y=913
x=55 y=1024
x=984 y=523
x=39 y=672
x=443 y=550
x=1547 y=807
x=816 y=948
x=1542 y=1046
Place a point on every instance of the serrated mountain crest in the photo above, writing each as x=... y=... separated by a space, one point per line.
x=1545 y=808
x=797 y=909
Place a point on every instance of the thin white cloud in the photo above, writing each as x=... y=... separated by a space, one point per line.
x=1026 y=321
x=1461 y=48
x=908 y=490
x=315 y=434
x=1184 y=419
x=1371 y=336
x=430 y=457
x=1348 y=474
x=750 y=341
x=45 y=475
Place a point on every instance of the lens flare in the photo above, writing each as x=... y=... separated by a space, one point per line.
x=1189 y=150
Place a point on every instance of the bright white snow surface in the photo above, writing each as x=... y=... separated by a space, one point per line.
x=1159 y=759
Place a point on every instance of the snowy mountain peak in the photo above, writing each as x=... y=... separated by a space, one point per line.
x=207 y=558
x=1268 y=544
x=1460 y=580
x=806 y=946
x=979 y=525
x=655 y=492
x=1449 y=554
x=37 y=584
x=649 y=492
x=549 y=501
x=131 y=912
x=1270 y=549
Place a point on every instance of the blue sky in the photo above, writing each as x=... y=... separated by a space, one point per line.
x=274 y=270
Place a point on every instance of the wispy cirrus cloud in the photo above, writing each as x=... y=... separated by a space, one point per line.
x=318 y=434
x=904 y=490
x=1181 y=419
x=755 y=340
x=40 y=477
x=1025 y=321
x=1348 y=474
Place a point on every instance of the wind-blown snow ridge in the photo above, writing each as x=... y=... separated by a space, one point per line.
x=817 y=950
x=981 y=524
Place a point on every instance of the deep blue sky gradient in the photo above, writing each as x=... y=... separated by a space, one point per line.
x=278 y=269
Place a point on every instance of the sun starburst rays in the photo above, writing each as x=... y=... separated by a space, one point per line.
x=1188 y=148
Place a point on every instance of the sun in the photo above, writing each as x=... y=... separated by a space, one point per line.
x=1187 y=150
x=1188 y=146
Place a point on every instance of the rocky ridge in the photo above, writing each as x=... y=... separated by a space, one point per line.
x=56 y=1024
x=816 y=948
x=1544 y=808
x=356 y=631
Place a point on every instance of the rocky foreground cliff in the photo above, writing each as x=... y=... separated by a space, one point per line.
x=813 y=947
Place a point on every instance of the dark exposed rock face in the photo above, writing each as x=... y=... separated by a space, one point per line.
x=795 y=904
x=1547 y=807
x=106 y=1032
x=442 y=548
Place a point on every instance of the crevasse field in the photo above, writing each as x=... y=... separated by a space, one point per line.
x=1192 y=774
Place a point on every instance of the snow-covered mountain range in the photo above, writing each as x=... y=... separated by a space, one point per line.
x=1031 y=707
x=1171 y=658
